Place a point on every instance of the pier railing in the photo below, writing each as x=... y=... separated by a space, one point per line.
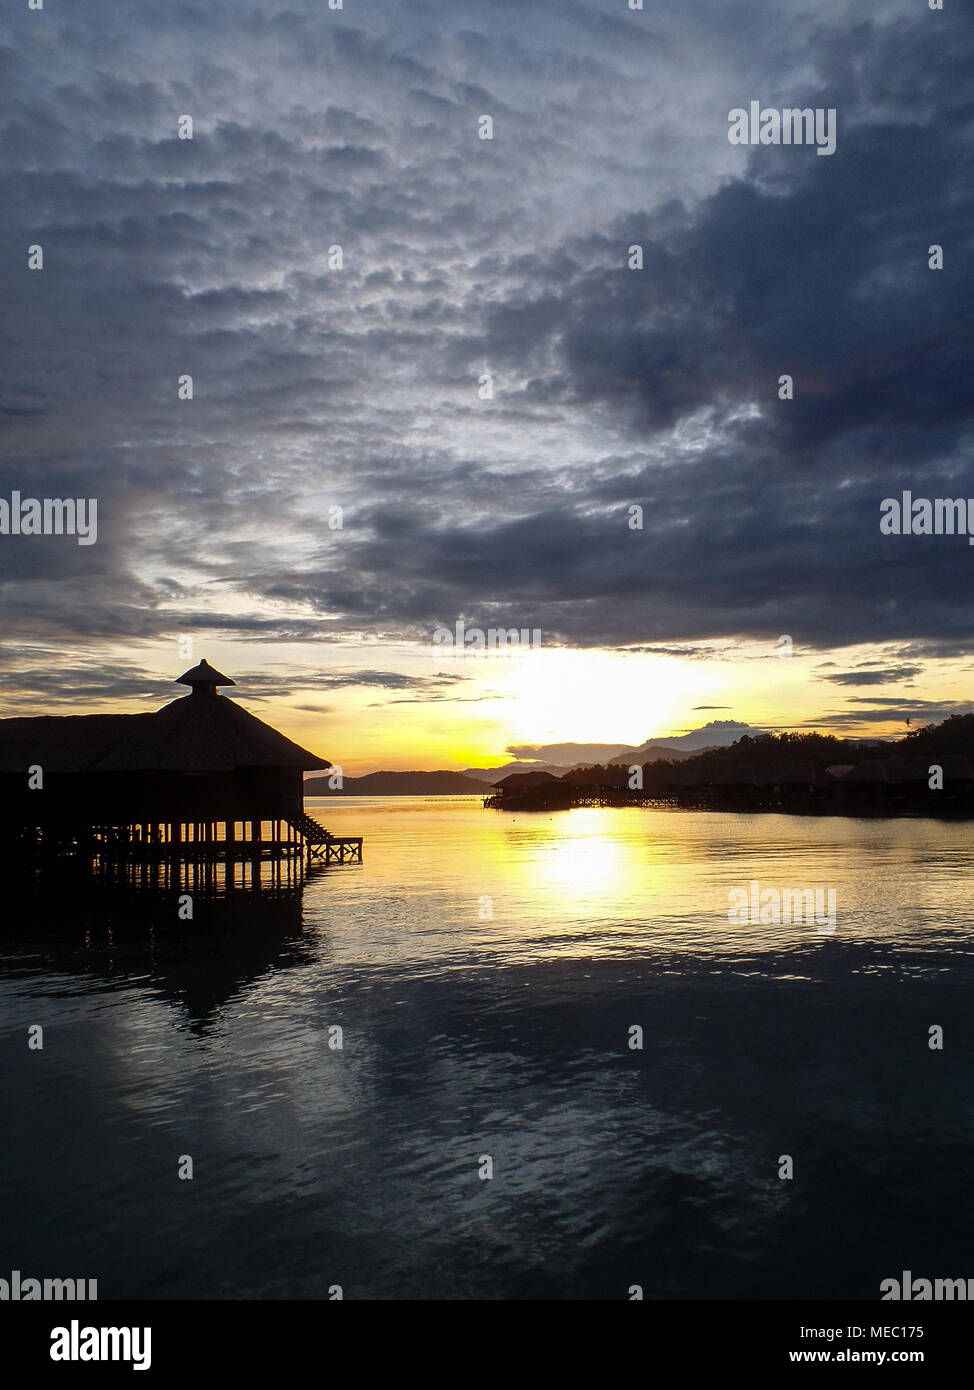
x=151 y=841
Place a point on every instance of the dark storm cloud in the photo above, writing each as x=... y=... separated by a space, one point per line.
x=29 y=672
x=877 y=702
x=869 y=677
x=892 y=712
x=318 y=387
x=683 y=650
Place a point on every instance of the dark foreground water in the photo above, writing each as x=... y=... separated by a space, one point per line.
x=468 y=1035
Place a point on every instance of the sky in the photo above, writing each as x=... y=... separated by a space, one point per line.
x=505 y=261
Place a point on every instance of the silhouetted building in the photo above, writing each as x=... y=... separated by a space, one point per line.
x=201 y=772
x=523 y=781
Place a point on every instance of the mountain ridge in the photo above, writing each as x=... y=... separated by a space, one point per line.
x=719 y=733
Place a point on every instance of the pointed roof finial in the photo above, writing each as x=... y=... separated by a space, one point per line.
x=204 y=677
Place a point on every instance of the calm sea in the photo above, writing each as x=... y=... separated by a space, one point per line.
x=486 y=971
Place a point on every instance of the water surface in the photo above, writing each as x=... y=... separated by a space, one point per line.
x=485 y=970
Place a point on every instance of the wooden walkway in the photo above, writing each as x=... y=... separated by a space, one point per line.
x=291 y=838
x=322 y=845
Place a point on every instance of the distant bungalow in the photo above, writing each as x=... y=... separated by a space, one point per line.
x=533 y=790
x=200 y=777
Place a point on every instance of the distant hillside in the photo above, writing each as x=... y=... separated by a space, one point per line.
x=398 y=784
x=494 y=774
x=719 y=733
x=653 y=752
x=556 y=758
x=728 y=746
x=559 y=758
x=954 y=735
x=765 y=752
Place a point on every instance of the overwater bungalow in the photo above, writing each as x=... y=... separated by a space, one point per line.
x=199 y=778
x=517 y=782
x=534 y=788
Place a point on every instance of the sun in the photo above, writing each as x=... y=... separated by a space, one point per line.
x=566 y=695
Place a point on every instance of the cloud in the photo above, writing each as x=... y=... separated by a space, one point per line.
x=317 y=387
x=441 y=700
x=867 y=677
x=882 y=711
x=566 y=753
x=28 y=674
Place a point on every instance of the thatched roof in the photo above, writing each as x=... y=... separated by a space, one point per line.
x=523 y=780
x=203 y=674
x=62 y=743
x=194 y=735
x=201 y=732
